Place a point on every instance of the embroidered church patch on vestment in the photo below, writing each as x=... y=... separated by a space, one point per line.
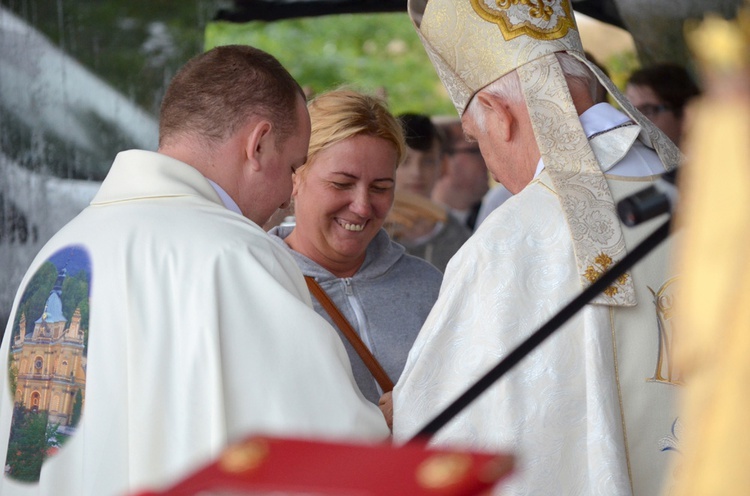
x=47 y=362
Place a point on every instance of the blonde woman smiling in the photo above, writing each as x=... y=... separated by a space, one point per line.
x=342 y=195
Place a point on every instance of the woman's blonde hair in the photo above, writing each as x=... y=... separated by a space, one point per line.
x=343 y=113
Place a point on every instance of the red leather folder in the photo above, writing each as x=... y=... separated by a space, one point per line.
x=261 y=465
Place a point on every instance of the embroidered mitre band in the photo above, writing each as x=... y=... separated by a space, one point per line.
x=472 y=43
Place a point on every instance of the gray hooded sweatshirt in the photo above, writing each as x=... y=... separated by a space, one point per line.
x=386 y=302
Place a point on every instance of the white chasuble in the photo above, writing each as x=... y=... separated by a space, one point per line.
x=198 y=331
x=588 y=411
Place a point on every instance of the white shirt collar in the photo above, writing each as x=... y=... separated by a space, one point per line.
x=601 y=117
x=225 y=198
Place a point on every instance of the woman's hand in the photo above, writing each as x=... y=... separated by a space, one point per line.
x=386 y=406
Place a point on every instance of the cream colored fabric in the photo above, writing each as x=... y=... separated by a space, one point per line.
x=609 y=149
x=715 y=313
x=591 y=410
x=201 y=332
x=714 y=309
x=581 y=413
x=576 y=177
x=473 y=43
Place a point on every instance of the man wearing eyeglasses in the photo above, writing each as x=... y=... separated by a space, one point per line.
x=465 y=180
x=661 y=92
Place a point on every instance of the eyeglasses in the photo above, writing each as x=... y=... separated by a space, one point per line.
x=651 y=110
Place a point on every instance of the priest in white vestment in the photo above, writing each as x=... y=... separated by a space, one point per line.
x=591 y=410
x=162 y=322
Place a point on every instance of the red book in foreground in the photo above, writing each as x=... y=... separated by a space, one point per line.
x=261 y=465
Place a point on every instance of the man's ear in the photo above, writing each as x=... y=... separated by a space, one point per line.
x=259 y=143
x=498 y=116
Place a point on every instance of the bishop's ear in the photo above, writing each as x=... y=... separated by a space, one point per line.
x=498 y=115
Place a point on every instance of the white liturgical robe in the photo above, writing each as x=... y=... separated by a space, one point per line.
x=590 y=411
x=198 y=331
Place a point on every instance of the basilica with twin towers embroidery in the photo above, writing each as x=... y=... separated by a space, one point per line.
x=49 y=365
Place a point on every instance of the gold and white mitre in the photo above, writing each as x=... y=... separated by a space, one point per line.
x=472 y=43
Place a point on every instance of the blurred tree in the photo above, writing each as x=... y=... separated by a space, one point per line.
x=370 y=52
x=75 y=293
x=28 y=444
x=35 y=297
x=136 y=45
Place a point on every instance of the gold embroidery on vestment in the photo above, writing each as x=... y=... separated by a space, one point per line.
x=541 y=21
x=604 y=262
x=664 y=302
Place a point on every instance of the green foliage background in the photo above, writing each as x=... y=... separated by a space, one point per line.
x=371 y=53
x=27 y=446
x=34 y=297
x=137 y=46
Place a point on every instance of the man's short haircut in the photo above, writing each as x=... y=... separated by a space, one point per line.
x=420 y=132
x=509 y=88
x=672 y=83
x=217 y=92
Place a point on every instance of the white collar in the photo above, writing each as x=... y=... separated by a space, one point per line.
x=225 y=198
x=601 y=117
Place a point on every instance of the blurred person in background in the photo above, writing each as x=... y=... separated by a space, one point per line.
x=436 y=235
x=661 y=92
x=465 y=180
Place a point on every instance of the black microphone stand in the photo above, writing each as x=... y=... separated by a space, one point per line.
x=609 y=277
